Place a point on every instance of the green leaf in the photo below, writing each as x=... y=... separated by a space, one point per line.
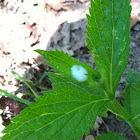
x=131 y=100
x=62 y=64
x=109 y=39
x=55 y=116
x=65 y=113
x=110 y=136
x=103 y=112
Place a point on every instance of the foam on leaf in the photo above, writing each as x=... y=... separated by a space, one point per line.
x=79 y=73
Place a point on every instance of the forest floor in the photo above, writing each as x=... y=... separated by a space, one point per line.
x=27 y=25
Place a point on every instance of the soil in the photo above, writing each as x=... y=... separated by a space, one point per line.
x=51 y=26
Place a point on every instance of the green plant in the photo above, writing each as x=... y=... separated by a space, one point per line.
x=81 y=93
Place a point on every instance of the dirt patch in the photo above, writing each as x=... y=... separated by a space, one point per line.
x=39 y=25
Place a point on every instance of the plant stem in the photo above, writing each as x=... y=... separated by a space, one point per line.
x=14 y=97
x=136 y=131
x=14 y=74
x=120 y=111
x=30 y=88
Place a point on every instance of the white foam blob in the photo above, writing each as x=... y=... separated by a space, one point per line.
x=78 y=72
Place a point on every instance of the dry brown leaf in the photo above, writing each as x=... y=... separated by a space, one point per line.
x=55 y=4
x=90 y=137
x=135 y=14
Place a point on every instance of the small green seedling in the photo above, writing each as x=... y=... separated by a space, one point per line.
x=80 y=92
